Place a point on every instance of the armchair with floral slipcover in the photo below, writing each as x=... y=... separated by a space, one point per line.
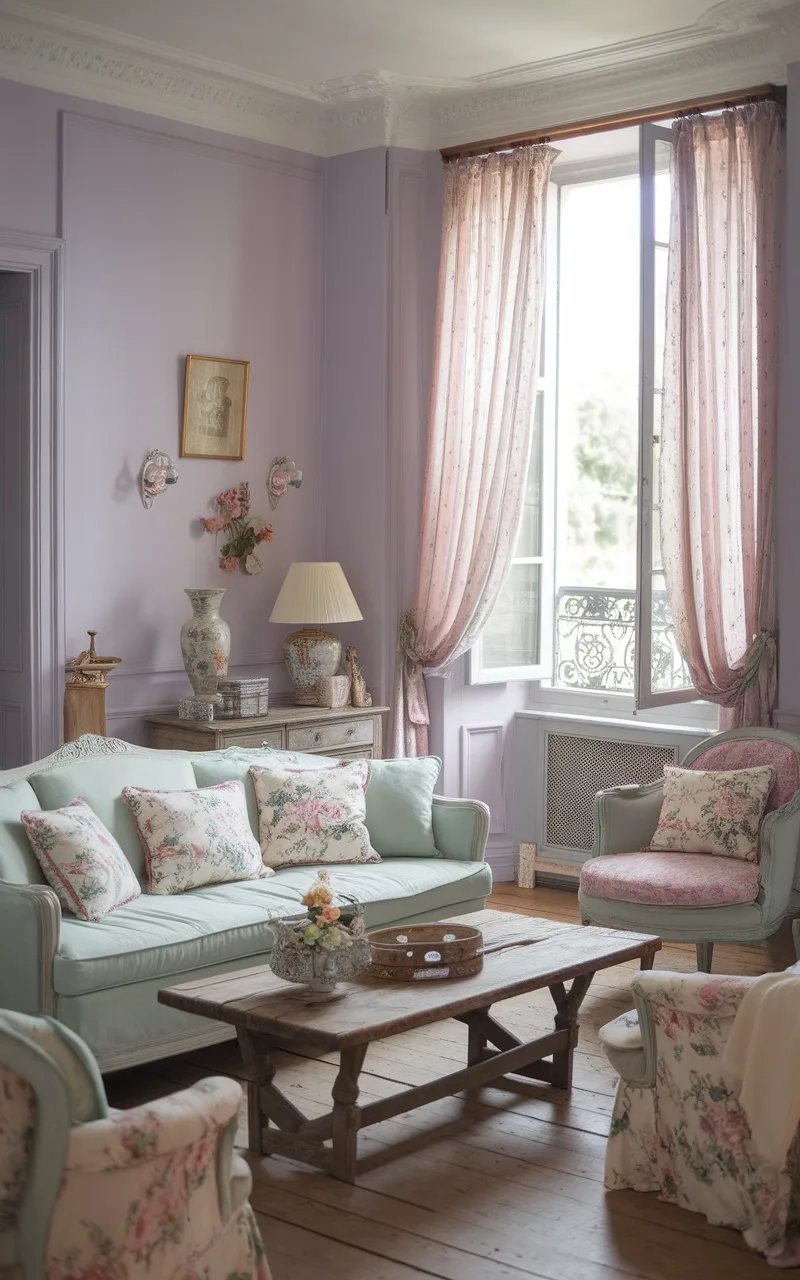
x=698 y=897
x=155 y=1193
x=678 y=1127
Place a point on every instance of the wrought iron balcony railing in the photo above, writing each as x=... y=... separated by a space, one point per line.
x=595 y=641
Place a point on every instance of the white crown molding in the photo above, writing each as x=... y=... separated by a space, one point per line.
x=734 y=44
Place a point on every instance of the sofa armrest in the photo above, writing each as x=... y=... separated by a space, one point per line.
x=625 y=818
x=460 y=828
x=690 y=1007
x=30 y=927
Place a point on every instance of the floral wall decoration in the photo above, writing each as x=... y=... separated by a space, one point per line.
x=283 y=474
x=243 y=532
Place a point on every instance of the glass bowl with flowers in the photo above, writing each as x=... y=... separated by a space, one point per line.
x=324 y=946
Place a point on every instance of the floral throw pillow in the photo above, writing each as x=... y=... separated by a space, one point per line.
x=718 y=813
x=81 y=860
x=195 y=837
x=313 y=816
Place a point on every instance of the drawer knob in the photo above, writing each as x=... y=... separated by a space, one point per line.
x=266 y=742
x=318 y=737
x=350 y=732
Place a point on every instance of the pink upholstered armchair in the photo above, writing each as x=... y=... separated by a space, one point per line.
x=695 y=897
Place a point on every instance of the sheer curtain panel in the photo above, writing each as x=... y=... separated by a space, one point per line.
x=488 y=329
x=717 y=470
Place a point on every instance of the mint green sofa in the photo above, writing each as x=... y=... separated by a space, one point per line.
x=101 y=979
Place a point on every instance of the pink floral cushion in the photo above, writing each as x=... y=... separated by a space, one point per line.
x=195 y=837
x=670 y=879
x=713 y=812
x=81 y=860
x=746 y=753
x=311 y=817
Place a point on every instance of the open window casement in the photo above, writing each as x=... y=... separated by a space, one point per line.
x=517 y=641
x=661 y=676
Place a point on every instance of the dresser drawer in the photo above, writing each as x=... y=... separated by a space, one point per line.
x=323 y=737
x=258 y=738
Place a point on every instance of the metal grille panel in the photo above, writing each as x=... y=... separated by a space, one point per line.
x=577 y=768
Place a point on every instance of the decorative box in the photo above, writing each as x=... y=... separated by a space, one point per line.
x=195 y=709
x=243 y=698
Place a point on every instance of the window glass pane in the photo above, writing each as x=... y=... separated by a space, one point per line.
x=660 y=299
x=598 y=433
x=529 y=538
x=668 y=670
x=656 y=539
x=663 y=189
x=511 y=636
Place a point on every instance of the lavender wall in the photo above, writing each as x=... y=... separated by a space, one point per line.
x=383 y=219
x=177 y=240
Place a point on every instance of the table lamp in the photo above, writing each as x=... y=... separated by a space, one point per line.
x=313 y=593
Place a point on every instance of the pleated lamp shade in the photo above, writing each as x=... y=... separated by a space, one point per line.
x=316 y=593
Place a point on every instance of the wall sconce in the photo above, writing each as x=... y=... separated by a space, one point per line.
x=283 y=474
x=158 y=470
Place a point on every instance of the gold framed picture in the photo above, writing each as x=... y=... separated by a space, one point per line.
x=214 y=408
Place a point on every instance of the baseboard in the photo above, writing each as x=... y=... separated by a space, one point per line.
x=502 y=858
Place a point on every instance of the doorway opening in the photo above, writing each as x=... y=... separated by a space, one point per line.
x=16 y=396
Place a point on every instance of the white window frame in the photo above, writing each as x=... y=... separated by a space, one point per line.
x=644 y=695
x=546 y=387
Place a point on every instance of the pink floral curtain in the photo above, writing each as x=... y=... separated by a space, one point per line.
x=717 y=469
x=491 y=292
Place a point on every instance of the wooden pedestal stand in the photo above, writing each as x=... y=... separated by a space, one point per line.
x=85 y=693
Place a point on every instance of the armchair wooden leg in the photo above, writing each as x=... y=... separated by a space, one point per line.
x=705 y=951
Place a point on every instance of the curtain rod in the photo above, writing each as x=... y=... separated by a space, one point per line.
x=761 y=93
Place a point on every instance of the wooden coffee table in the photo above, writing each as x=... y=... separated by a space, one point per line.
x=522 y=953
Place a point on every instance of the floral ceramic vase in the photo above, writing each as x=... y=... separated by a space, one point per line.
x=317 y=968
x=205 y=642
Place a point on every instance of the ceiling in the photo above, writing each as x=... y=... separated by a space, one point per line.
x=309 y=42
x=329 y=76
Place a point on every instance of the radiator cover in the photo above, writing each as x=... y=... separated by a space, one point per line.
x=578 y=767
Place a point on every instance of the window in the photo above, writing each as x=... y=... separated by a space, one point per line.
x=585 y=607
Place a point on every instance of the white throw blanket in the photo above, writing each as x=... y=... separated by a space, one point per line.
x=763 y=1052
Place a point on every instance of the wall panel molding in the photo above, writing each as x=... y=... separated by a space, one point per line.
x=482 y=770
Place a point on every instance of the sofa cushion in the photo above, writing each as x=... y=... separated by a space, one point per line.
x=18 y=864
x=100 y=780
x=163 y=934
x=157 y=937
x=195 y=837
x=400 y=888
x=400 y=806
x=81 y=859
x=313 y=817
x=713 y=812
x=670 y=879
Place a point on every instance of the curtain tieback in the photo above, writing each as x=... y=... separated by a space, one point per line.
x=762 y=653
x=413 y=670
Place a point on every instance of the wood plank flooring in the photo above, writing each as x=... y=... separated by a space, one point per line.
x=503 y=1184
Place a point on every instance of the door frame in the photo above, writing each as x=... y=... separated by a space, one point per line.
x=41 y=258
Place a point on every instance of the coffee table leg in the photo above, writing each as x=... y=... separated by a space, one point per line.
x=567 y=1005
x=345 y=1114
x=260 y=1074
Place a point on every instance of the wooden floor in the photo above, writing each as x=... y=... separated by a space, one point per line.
x=502 y=1186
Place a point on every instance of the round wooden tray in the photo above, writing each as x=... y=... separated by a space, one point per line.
x=422 y=951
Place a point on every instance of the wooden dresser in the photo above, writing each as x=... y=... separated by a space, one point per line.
x=353 y=733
